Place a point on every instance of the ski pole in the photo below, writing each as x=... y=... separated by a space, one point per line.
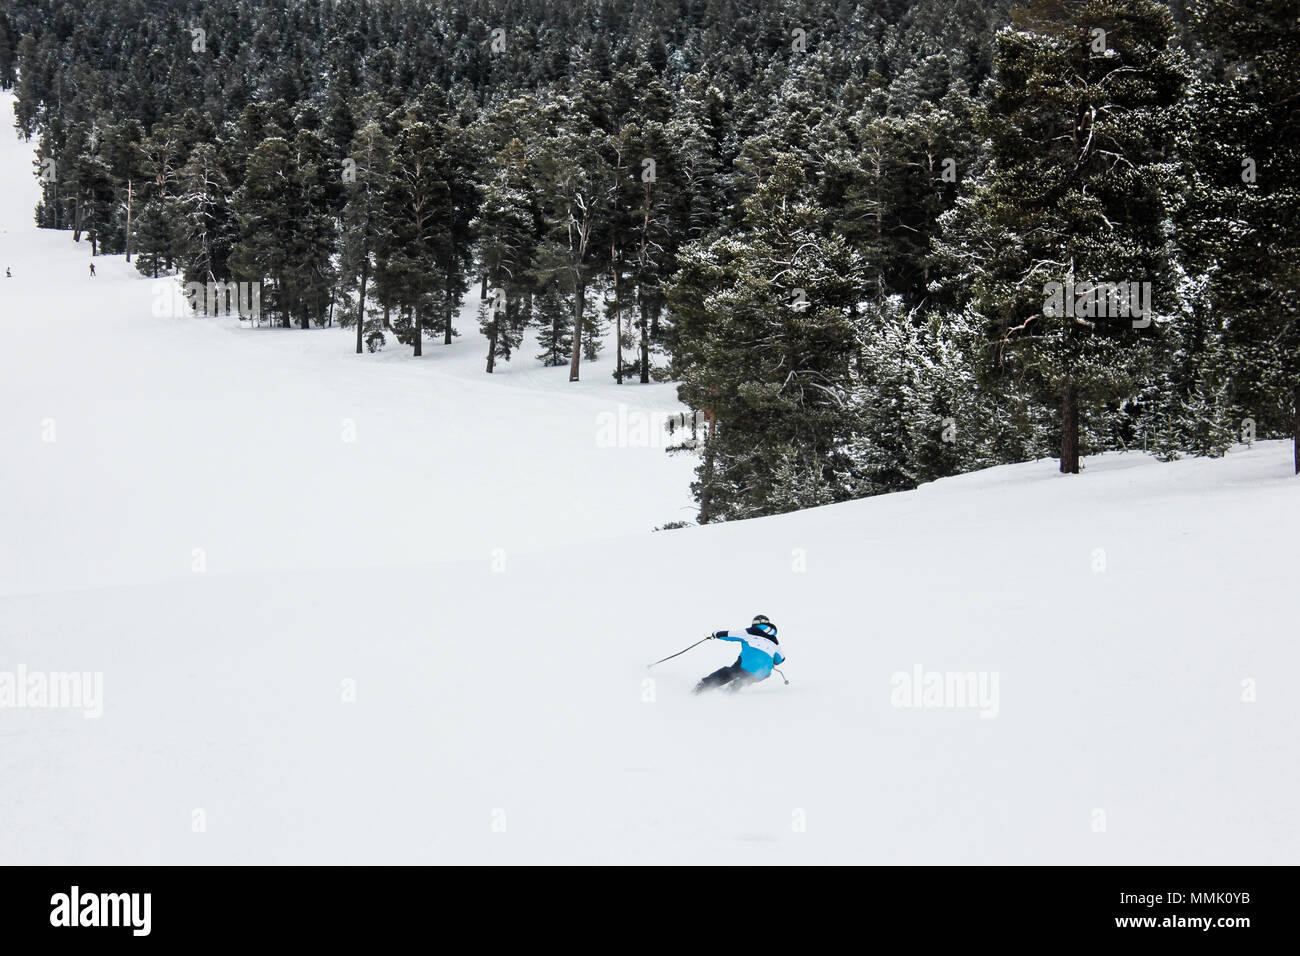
x=783 y=677
x=680 y=653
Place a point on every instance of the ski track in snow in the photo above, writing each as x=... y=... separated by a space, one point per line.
x=523 y=691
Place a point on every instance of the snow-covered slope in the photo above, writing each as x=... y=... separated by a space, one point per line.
x=429 y=644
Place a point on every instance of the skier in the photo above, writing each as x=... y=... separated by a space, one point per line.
x=758 y=654
x=92 y=270
x=9 y=273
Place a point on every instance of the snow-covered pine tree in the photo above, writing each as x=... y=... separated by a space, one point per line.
x=507 y=245
x=1241 y=222
x=1081 y=121
x=457 y=160
x=417 y=205
x=1186 y=406
x=574 y=195
x=595 y=324
x=917 y=412
x=264 y=212
x=315 y=191
x=766 y=332
x=554 y=324
x=287 y=231
x=371 y=154
x=208 y=231
x=156 y=233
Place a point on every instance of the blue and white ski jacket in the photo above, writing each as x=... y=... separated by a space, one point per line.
x=758 y=652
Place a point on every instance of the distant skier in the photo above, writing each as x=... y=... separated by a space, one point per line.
x=759 y=653
x=9 y=273
x=92 y=270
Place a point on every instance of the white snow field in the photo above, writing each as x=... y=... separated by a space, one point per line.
x=429 y=645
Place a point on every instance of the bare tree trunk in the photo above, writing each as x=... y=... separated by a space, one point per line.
x=1069 y=428
x=361 y=306
x=618 y=319
x=492 y=346
x=645 y=348
x=706 y=480
x=1295 y=438
x=128 y=219
x=451 y=308
x=579 y=299
x=418 y=315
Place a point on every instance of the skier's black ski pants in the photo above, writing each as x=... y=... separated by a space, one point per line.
x=732 y=674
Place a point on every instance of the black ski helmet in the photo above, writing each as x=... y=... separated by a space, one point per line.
x=765 y=625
